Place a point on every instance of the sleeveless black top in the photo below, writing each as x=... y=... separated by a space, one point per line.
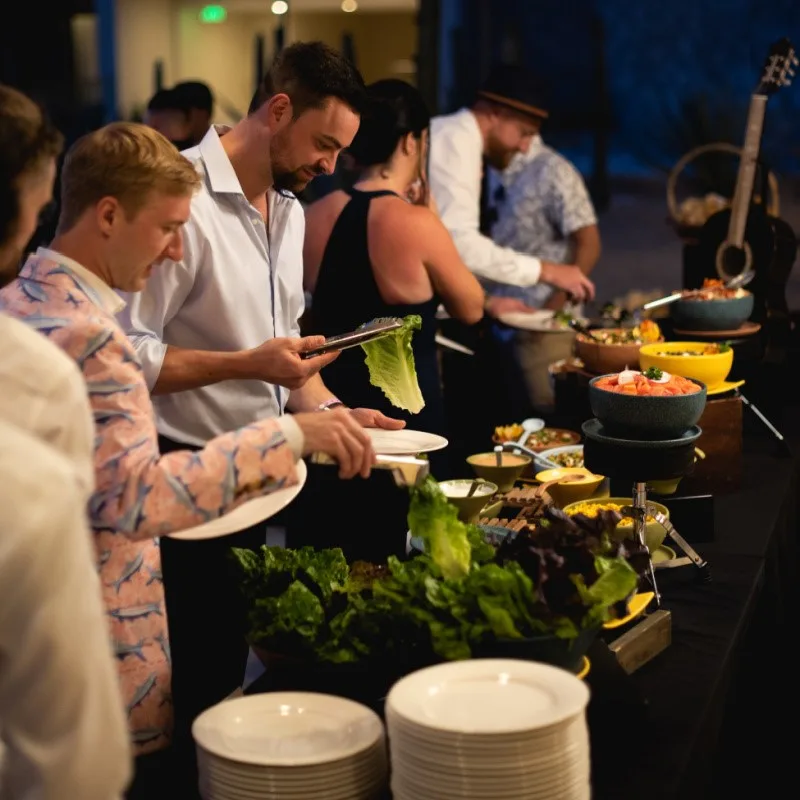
x=346 y=296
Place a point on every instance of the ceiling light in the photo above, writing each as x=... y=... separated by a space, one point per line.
x=280 y=7
x=349 y=5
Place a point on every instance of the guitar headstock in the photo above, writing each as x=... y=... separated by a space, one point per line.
x=778 y=68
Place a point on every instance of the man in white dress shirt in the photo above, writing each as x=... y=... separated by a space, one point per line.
x=62 y=728
x=218 y=336
x=501 y=123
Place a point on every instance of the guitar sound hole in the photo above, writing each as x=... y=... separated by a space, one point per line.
x=731 y=261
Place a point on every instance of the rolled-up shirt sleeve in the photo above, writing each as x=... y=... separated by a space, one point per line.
x=148 y=312
x=455 y=181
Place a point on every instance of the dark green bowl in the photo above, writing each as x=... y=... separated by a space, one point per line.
x=634 y=417
x=712 y=315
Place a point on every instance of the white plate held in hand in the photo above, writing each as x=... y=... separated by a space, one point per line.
x=404 y=442
x=248 y=514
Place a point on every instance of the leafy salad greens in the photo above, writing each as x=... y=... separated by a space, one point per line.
x=460 y=595
x=390 y=361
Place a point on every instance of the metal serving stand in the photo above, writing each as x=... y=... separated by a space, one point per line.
x=640 y=461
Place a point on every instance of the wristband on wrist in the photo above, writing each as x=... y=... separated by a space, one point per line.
x=334 y=402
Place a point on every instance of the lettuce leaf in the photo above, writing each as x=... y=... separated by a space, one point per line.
x=434 y=520
x=390 y=361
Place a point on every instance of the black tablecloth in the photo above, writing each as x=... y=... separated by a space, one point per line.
x=719 y=698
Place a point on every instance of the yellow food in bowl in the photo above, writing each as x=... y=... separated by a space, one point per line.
x=690 y=360
x=593 y=509
x=654 y=532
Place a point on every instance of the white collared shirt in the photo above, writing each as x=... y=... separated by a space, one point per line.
x=43 y=392
x=456 y=170
x=62 y=726
x=237 y=286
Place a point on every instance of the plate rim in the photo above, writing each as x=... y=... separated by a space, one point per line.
x=288 y=697
x=291 y=493
x=541 y=313
x=575 y=692
x=439 y=443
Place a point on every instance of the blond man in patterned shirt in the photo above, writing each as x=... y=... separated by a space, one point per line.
x=126 y=193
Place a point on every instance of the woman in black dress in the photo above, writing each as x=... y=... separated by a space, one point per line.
x=380 y=250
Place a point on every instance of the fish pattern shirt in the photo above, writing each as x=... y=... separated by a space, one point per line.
x=140 y=495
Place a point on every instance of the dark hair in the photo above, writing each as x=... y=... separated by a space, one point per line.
x=394 y=109
x=168 y=100
x=195 y=94
x=310 y=73
x=26 y=139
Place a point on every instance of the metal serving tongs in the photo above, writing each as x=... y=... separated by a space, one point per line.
x=406 y=470
x=693 y=556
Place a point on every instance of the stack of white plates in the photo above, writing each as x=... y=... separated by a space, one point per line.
x=290 y=746
x=489 y=729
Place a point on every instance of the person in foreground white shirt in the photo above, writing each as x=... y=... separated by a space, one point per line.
x=61 y=719
x=500 y=124
x=62 y=729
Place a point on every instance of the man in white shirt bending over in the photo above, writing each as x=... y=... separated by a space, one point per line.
x=62 y=728
x=219 y=336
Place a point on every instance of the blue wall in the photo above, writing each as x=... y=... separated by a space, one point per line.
x=678 y=73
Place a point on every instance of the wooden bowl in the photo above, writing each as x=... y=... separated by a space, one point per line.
x=602 y=359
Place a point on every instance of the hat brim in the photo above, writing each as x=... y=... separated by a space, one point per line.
x=517 y=105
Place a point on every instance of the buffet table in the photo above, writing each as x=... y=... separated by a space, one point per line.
x=703 y=716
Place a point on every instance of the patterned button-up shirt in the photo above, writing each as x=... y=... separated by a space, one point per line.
x=140 y=495
x=543 y=201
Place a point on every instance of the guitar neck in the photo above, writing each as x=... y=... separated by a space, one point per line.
x=747 y=170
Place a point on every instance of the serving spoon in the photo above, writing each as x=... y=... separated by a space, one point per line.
x=736 y=282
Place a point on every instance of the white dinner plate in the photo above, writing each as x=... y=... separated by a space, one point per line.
x=404 y=442
x=287 y=729
x=247 y=514
x=488 y=696
x=540 y=321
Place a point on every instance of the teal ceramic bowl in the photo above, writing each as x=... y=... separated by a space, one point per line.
x=646 y=417
x=725 y=314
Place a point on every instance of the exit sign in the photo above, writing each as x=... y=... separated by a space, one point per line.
x=213 y=14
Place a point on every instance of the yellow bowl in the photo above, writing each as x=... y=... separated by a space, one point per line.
x=469 y=508
x=511 y=466
x=710 y=368
x=654 y=533
x=566 y=492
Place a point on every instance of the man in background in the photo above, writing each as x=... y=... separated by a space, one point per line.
x=545 y=210
x=168 y=113
x=182 y=114
x=198 y=101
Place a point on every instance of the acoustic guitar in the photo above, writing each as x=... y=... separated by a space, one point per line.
x=745 y=237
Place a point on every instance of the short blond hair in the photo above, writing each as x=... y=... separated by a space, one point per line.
x=125 y=160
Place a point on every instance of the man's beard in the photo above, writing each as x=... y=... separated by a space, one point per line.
x=291 y=180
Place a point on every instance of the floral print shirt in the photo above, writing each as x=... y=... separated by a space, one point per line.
x=139 y=495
